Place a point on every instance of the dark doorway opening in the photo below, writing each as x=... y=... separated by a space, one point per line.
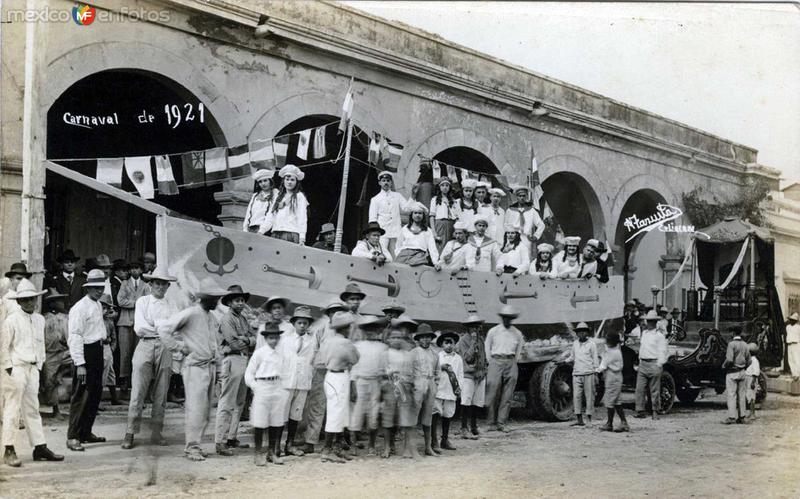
x=642 y=203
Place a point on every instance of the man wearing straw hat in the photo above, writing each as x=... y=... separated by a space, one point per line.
x=152 y=361
x=793 y=344
x=237 y=340
x=87 y=331
x=22 y=355
x=193 y=332
x=327 y=237
x=652 y=356
x=503 y=348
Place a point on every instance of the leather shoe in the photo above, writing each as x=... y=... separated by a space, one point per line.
x=75 y=445
x=158 y=439
x=93 y=439
x=11 y=459
x=127 y=442
x=42 y=453
x=223 y=450
x=234 y=443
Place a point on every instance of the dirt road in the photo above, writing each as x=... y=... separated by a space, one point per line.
x=685 y=454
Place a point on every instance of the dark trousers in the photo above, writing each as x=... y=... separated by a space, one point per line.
x=86 y=397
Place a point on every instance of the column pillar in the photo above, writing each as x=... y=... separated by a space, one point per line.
x=233 y=201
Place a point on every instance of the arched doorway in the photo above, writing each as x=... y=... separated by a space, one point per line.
x=115 y=114
x=323 y=179
x=640 y=259
x=575 y=205
x=461 y=157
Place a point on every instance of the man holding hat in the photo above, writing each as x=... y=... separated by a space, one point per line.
x=385 y=208
x=56 y=329
x=495 y=214
x=22 y=355
x=237 y=340
x=193 y=332
x=130 y=291
x=298 y=348
x=503 y=347
x=793 y=344
x=483 y=252
x=87 y=332
x=472 y=349
x=326 y=238
x=152 y=361
x=524 y=213
x=584 y=364
x=67 y=281
x=737 y=358
x=652 y=356
x=340 y=356
x=454 y=254
x=425 y=367
x=371 y=246
x=314 y=411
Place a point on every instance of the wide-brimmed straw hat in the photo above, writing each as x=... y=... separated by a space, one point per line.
x=351 y=289
x=274 y=299
x=234 y=291
x=508 y=311
x=96 y=278
x=26 y=289
x=393 y=307
x=473 y=319
x=159 y=274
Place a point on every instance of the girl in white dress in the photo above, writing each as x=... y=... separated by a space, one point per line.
x=416 y=244
x=444 y=212
x=514 y=257
x=543 y=267
x=568 y=261
x=261 y=201
x=288 y=217
x=467 y=205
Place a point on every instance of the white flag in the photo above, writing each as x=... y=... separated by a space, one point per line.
x=320 y=150
x=436 y=168
x=303 y=141
x=347 y=108
x=109 y=171
x=138 y=170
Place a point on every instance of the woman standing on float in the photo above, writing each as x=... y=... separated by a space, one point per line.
x=288 y=217
x=261 y=201
x=444 y=212
x=416 y=244
x=467 y=205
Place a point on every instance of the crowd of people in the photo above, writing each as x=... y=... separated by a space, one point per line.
x=468 y=231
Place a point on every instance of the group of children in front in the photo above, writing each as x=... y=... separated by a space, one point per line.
x=470 y=232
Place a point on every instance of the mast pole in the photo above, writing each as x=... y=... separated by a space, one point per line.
x=337 y=243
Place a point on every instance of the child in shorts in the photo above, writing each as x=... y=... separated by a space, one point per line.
x=612 y=366
x=449 y=386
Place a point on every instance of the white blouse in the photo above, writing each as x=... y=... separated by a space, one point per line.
x=518 y=257
x=441 y=211
x=547 y=275
x=385 y=208
x=466 y=215
x=490 y=252
x=287 y=220
x=497 y=221
x=424 y=241
x=364 y=250
x=257 y=209
x=566 y=269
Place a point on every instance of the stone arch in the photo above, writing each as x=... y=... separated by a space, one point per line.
x=450 y=138
x=575 y=205
x=638 y=183
x=85 y=60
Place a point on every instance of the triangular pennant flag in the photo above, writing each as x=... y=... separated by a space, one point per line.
x=194 y=168
x=320 y=151
x=546 y=213
x=374 y=152
x=166 y=180
x=383 y=147
x=436 y=168
x=347 y=107
x=262 y=155
x=451 y=173
x=280 y=145
x=303 y=142
x=216 y=164
x=138 y=170
x=109 y=171
x=395 y=152
x=239 y=161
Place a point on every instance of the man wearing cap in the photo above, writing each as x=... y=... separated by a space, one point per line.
x=385 y=208
x=130 y=291
x=367 y=374
x=193 y=332
x=67 y=281
x=584 y=364
x=495 y=214
x=314 y=411
x=652 y=356
x=793 y=344
x=340 y=356
x=237 y=340
x=22 y=355
x=326 y=238
x=87 y=332
x=298 y=348
x=370 y=246
x=524 y=214
x=737 y=358
x=425 y=367
x=472 y=349
x=56 y=329
x=503 y=348
x=152 y=361
x=590 y=265
x=483 y=251
x=454 y=254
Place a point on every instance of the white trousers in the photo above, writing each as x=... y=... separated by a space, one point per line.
x=198 y=384
x=337 y=396
x=793 y=358
x=21 y=399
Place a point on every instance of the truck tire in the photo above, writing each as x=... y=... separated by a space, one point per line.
x=550 y=391
x=687 y=395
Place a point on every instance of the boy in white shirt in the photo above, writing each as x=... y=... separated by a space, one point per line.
x=454 y=254
x=264 y=376
x=449 y=386
x=753 y=371
x=298 y=349
x=483 y=251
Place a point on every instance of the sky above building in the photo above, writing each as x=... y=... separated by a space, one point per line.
x=731 y=70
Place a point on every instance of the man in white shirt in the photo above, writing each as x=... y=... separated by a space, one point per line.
x=454 y=254
x=503 y=348
x=483 y=251
x=22 y=356
x=86 y=334
x=152 y=362
x=385 y=208
x=793 y=344
x=524 y=213
x=495 y=214
x=584 y=364
x=652 y=356
x=8 y=304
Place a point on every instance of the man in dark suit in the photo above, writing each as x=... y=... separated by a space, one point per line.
x=120 y=273
x=67 y=280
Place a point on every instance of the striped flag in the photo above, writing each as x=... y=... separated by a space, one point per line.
x=262 y=156
x=194 y=174
x=164 y=176
x=320 y=150
x=347 y=107
x=239 y=161
x=216 y=165
x=280 y=145
x=395 y=152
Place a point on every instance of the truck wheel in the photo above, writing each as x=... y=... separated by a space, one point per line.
x=687 y=395
x=550 y=390
x=667 y=393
